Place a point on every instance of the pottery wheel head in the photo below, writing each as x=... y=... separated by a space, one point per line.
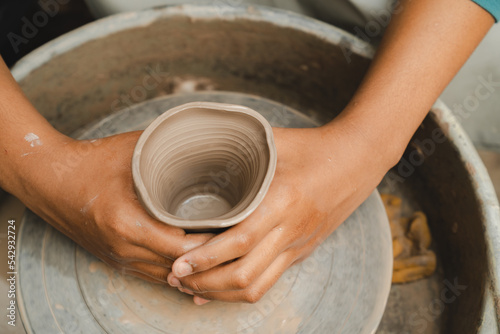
x=341 y=288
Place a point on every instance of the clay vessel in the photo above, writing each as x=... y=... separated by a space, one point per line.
x=204 y=165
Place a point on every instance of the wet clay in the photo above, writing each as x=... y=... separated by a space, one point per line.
x=204 y=165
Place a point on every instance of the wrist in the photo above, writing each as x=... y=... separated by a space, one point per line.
x=371 y=136
x=27 y=156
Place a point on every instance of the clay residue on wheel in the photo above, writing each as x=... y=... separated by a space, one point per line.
x=175 y=312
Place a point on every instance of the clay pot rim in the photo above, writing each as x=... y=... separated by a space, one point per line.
x=211 y=223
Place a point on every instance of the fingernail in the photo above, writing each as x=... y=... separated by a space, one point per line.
x=200 y=301
x=174 y=282
x=183 y=269
x=189 y=292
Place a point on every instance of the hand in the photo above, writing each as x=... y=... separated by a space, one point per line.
x=85 y=189
x=322 y=176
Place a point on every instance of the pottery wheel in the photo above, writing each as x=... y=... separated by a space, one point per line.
x=341 y=288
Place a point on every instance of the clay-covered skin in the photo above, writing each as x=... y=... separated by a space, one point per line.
x=411 y=239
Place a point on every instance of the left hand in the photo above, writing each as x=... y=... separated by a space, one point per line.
x=322 y=176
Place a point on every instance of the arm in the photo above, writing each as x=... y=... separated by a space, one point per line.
x=423 y=48
x=84 y=189
x=324 y=174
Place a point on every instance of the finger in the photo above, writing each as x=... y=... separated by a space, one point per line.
x=229 y=245
x=239 y=274
x=257 y=290
x=152 y=271
x=145 y=271
x=143 y=276
x=200 y=301
x=130 y=253
x=165 y=240
x=186 y=291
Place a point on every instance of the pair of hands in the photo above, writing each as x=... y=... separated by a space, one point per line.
x=322 y=176
x=85 y=189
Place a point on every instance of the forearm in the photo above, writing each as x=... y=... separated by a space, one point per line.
x=424 y=46
x=25 y=135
